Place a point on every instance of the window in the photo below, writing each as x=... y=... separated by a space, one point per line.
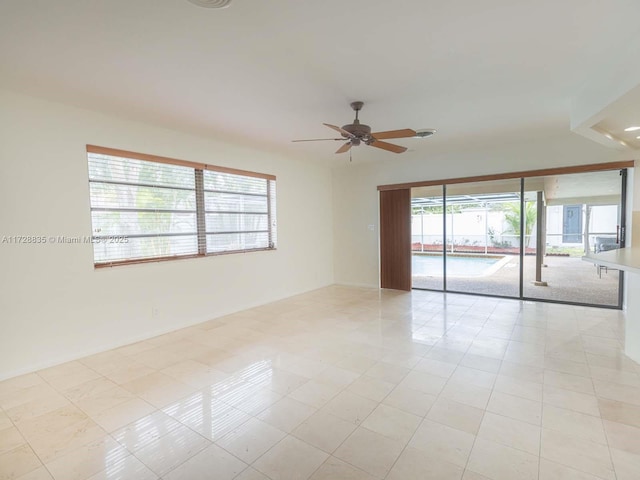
x=146 y=208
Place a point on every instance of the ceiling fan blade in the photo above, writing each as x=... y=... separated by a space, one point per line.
x=338 y=129
x=388 y=146
x=319 y=140
x=404 y=133
x=344 y=148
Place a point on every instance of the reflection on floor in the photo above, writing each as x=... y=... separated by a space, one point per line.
x=341 y=383
x=569 y=279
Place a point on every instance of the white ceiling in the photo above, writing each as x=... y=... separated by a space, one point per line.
x=271 y=71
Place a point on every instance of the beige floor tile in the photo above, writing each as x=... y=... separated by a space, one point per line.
x=128 y=372
x=68 y=375
x=480 y=362
x=473 y=376
x=251 y=474
x=554 y=471
x=167 y=452
x=372 y=388
x=88 y=389
x=424 y=382
x=324 y=431
x=334 y=468
x=359 y=370
x=469 y=475
x=38 y=474
x=440 y=442
x=315 y=393
x=251 y=440
x=291 y=459
x=515 y=407
x=203 y=465
x=510 y=432
x=350 y=407
x=581 y=455
x=615 y=391
x=145 y=430
x=258 y=401
x=370 y=451
x=387 y=372
x=123 y=414
x=286 y=414
x=411 y=401
x=129 y=468
x=88 y=460
x=17 y=462
x=575 y=424
x=623 y=437
x=627 y=465
x=612 y=375
x=5 y=421
x=500 y=462
x=466 y=393
x=16 y=384
x=392 y=422
x=619 y=412
x=10 y=438
x=567 y=381
x=279 y=381
x=579 y=402
x=435 y=367
x=14 y=398
x=518 y=387
x=339 y=377
x=414 y=465
x=206 y=415
x=456 y=415
x=522 y=372
x=100 y=401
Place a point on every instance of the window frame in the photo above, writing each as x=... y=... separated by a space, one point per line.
x=202 y=232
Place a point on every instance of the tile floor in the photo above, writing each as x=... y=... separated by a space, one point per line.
x=341 y=383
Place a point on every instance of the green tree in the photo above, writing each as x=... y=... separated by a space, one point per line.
x=512 y=218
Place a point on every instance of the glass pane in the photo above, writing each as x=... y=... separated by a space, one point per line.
x=579 y=213
x=232 y=222
x=128 y=170
x=225 y=202
x=236 y=241
x=148 y=247
x=142 y=223
x=228 y=182
x=483 y=238
x=107 y=195
x=427 y=225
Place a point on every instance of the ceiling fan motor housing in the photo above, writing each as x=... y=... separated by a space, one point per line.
x=357 y=129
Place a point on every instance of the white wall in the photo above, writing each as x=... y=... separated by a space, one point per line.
x=54 y=306
x=356 y=199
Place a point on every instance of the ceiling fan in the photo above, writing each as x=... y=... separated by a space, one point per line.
x=356 y=133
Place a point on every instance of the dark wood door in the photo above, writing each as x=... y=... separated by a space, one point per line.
x=395 y=239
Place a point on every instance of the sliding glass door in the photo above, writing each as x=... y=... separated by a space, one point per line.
x=520 y=238
x=427 y=234
x=577 y=214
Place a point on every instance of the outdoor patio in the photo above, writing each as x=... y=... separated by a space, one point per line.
x=569 y=279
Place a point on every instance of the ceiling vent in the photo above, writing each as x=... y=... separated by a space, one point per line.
x=211 y=3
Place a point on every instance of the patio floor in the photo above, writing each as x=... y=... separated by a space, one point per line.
x=569 y=279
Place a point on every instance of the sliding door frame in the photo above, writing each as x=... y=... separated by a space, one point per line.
x=621 y=165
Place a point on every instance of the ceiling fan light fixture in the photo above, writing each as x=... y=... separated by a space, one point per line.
x=425 y=132
x=211 y=3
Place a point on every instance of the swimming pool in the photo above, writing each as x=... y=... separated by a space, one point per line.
x=457 y=265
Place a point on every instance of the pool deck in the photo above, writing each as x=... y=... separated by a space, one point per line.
x=568 y=278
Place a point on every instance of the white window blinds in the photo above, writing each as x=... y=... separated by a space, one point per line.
x=143 y=210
